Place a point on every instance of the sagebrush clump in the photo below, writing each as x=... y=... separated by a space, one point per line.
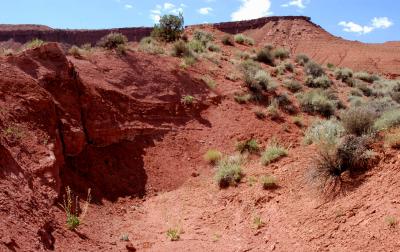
x=244 y=40
x=212 y=156
x=314 y=69
x=273 y=153
x=317 y=101
x=113 y=40
x=229 y=171
x=358 y=120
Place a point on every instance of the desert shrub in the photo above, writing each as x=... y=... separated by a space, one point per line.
x=269 y=182
x=288 y=66
x=364 y=76
x=314 y=69
x=392 y=138
x=319 y=82
x=388 y=120
x=34 y=43
x=355 y=101
x=121 y=50
x=255 y=78
x=243 y=55
x=350 y=154
x=181 y=49
x=273 y=153
x=298 y=120
x=257 y=222
x=356 y=92
x=293 y=85
x=170 y=28
x=260 y=114
x=391 y=221
x=212 y=156
x=70 y=206
x=364 y=88
x=203 y=36
x=265 y=56
x=281 y=53
x=187 y=100
x=324 y=132
x=317 y=101
x=173 y=234
x=244 y=40
x=358 y=120
x=302 y=59
x=228 y=40
x=229 y=171
x=213 y=47
x=113 y=40
x=345 y=75
x=353 y=152
x=6 y=52
x=273 y=110
x=75 y=52
x=150 y=45
x=196 y=46
x=381 y=105
x=249 y=145
x=330 y=65
x=383 y=88
x=242 y=98
x=209 y=82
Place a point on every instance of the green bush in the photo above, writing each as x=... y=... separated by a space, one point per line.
x=364 y=88
x=388 y=120
x=229 y=171
x=197 y=46
x=293 y=85
x=170 y=28
x=212 y=156
x=113 y=40
x=150 y=45
x=203 y=36
x=344 y=74
x=181 y=49
x=187 y=100
x=364 y=76
x=319 y=82
x=281 y=53
x=273 y=153
x=228 y=40
x=314 y=69
x=244 y=40
x=249 y=145
x=268 y=182
x=302 y=59
x=358 y=120
x=213 y=47
x=173 y=234
x=265 y=56
x=317 y=101
x=255 y=78
x=324 y=132
x=34 y=43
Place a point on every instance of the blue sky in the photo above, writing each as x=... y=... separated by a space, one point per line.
x=364 y=20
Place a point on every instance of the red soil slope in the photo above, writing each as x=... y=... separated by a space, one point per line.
x=116 y=124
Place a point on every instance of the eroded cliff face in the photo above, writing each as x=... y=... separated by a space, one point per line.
x=83 y=124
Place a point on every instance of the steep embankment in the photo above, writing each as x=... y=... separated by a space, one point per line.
x=84 y=125
x=300 y=35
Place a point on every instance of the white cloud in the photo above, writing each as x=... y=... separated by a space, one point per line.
x=168 y=6
x=297 y=3
x=376 y=23
x=250 y=9
x=159 y=10
x=205 y=10
x=356 y=28
x=381 y=22
x=128 y=6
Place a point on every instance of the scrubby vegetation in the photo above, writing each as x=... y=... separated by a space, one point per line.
x=265 y=56
x=358 y=120
x=317 y=101
x=228 y=40
x=150 y=45
x=34 y=43
x=244 y=40
x=212 y=156
x=229 y=171
x=71 y=208
x=249 y=145
x=387 y=120
x=314 y=69
x=113 y=41
x=302 y=59
x=322 y=81
x=281 y=53
x=345 y=75
x=173 y=234
x=293 y=85
x=269 y=182
x=273 y=152
x=324 y=132
x=169 y=29
x=364 y=76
